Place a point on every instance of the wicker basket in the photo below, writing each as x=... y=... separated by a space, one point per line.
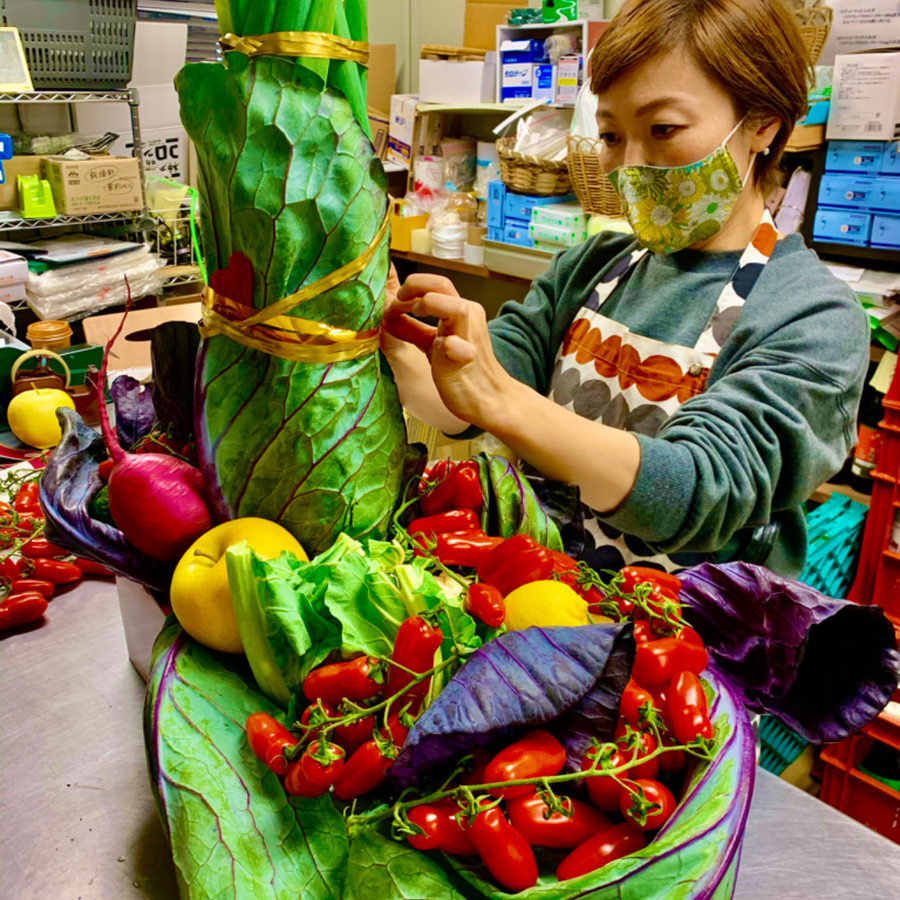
x=815 y=24
x=593 y=189
x=530 y=175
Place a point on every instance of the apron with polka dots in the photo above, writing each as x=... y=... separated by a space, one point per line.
x=608 y=374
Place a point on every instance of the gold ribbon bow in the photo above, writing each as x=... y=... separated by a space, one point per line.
x=274 y=332
x=314 y=44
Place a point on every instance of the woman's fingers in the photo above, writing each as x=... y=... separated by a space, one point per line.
x=410 y=330
x=418 y=285
x=454 y=348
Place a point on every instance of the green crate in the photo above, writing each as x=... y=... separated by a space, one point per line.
x=75 y=44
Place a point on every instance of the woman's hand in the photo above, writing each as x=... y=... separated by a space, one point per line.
x=470 y=380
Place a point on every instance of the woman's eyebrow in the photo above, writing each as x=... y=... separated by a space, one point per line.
x=647 y=108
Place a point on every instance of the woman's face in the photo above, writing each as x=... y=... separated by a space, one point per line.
x=667 y=112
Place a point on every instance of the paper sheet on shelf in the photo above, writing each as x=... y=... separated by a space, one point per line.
x=869 y=25
x=849 y=274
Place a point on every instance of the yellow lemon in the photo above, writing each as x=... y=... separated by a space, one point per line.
x=545 y=604
x=32 y=416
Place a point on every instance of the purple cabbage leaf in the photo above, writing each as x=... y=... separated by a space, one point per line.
x=525 y=678
x=823 y=667
x=135 y=414
x=68 y=485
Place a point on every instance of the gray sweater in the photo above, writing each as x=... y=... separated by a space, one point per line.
x=778 y=416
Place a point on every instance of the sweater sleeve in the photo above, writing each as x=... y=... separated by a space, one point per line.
x=778 y=419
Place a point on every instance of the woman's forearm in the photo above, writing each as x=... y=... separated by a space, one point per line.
x=602 y=461
x=418 y=393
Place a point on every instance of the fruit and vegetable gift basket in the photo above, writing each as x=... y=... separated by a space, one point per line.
x=387 y=679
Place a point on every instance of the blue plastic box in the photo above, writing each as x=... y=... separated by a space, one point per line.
x=850 y=191
x=859 y=157
x=517 y=233
x=887 y=194
x=519 y=206
x=496 y=201
x=886 y=232
x=495 y=234
x=842 y=226
x=890 y=162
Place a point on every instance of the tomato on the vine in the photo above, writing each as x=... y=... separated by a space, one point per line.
x=604 y=790
x=634 y=748
x=660 y=661
x=601 y=849
x=267 y=739
x=651 y=812
x=688 y=709
x=535 y=755
x=505 y=853
x=322 y=763
x=442 y=830
x=635 y=699
x=529 y=816
x=357 y=680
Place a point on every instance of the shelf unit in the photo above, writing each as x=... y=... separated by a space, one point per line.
x=457 y=265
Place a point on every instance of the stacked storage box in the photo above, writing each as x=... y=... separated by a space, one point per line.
x=859 y=197
x=557 y=226
x=510 y=214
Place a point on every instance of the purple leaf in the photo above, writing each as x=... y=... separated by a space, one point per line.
x=523 y=678
x=823 y=667
x=135 y=415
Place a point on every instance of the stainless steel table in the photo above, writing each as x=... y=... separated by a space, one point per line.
x=77 y=820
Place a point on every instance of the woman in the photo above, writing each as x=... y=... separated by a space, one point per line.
x=699 y=379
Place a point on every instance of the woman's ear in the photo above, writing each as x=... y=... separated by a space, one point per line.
x=765 y=133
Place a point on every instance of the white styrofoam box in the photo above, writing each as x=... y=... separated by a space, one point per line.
x=865 y=100
x=516 y=81
x=160 y=50
x=142 y=619
x=465 y=82
x=13 y=269
x=400 y=129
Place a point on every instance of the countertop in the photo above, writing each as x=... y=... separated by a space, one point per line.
x=77 y=820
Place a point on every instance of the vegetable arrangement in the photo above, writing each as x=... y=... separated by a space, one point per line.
x=31 y=567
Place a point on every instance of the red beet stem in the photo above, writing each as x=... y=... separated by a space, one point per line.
x=109 y=436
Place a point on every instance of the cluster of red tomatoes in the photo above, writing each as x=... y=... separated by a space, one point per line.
x=664 y=703
x=31 y=568
x=349 y=700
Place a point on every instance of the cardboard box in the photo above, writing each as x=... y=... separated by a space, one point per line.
x=12 y=168
x=379 y=124
x=886 y=196
x=401 y=127
x=568 y=79
x=890 y=162
x=842 y=226
x=865 y=100
x=886 y=232
x=458 y=80
x=516 y=81
x=11 y=293
x=496 y=205
x=847 y=191
x=527 y=51
x=481 y=21
x=859 y=157
x=544 y=87
x=100 y=184
x=13 y=269
x=382 y=80
x=570 y=10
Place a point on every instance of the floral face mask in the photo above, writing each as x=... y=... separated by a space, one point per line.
x=672 y=208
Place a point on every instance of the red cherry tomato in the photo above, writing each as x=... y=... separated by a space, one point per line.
x=643 y=633
x=55 y=570
x=297 y=785
x=322 y=773
x=640 y=745
x=688 y=634
x=364 y=771
x=26 y=500
x=604 y=790
x=661 y=800
x=660 y=661
x=267 y=739
x=675 y=760
x=504 y=851
x=601 y=849
x=688 y=709
x=21 y=585
x=442 y=831
x=356 y=680
x=414 y=649
x=354 y=735
x=537 y=754
x=632 y=576
x=634 y=700
x=41 y=548
x=527 y=816
x=89 y=567
x=317 y=717
x=485 y=603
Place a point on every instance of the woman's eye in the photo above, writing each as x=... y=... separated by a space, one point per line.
x=609 y=138
x=664 y=131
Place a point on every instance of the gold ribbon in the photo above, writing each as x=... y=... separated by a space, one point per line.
x=274 y=332
x=314 y=44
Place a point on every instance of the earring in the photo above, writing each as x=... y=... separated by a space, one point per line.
x=767 y=151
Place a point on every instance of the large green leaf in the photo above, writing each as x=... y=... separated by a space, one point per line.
x=289 y=180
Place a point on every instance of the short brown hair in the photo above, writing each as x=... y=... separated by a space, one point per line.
x=751 y=48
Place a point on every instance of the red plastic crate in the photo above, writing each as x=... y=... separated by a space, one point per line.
x=855 y=793
x=877 y=579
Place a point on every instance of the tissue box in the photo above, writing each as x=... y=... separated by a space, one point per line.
x=886 y=232
x=841 y=226
x=530 y=51
x=847 y=191
x=859 y=157
x=886 y=196
x=516 y=81
x=521 y=206
x=544 y=86
x=890 y=162
x=563 y=215
x=568 y=79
